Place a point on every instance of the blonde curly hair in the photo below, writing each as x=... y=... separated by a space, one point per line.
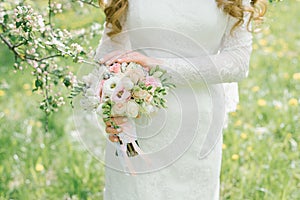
x=116 y=10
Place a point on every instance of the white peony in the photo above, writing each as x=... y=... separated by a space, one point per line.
x=110 y=85
x=132 y=109
x=127 y=83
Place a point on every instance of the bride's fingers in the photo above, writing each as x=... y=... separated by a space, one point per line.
x=117 y=120
x=111 y=130
x=114 y=58
x=128 y=56
x=113 y=138
x=110 y=55
x=133 y=57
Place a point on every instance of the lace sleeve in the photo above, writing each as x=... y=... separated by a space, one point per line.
x=107 y=44
x=231 y=64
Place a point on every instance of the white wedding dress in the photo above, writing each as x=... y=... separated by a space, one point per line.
x=184 y=141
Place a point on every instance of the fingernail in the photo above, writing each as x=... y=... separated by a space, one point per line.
x=119 y=60
x=119 y=130
x=116 y=140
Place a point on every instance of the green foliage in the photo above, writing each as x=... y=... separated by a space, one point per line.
x=261 y=158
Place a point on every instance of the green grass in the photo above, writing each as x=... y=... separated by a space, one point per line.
x=261 y=158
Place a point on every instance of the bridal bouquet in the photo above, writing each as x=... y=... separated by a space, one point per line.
x=124 y=90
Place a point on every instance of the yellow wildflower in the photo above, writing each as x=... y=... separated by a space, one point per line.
x=261 y=102
x=263 y=42
x=293 y=102
x=238 y=123
x=38 y=124
x=2 y=93
x=255 y=46
x=39 y=167
x=26 y=86
x=224 y=146
x=233 y=114
x=255 y=89
x=268 y=49
x=6 y=111
x=31 y=122
x=280 y=54
x=296 y=76
x=235 y=157
x=289 y=135
x=244 y=136
x=249 y=149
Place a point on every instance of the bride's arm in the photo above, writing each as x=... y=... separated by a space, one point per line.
x=231 y=64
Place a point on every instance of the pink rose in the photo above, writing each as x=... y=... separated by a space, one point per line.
x=150 y=80
x=116 y=67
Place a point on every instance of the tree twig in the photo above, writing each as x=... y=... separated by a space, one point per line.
x=91 y=3
x=50 y=13
x=25 y=57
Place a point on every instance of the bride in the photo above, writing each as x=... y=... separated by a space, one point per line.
x=205 y=45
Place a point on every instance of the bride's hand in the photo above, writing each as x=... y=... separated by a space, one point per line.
x=130 y=56
x=113 y=133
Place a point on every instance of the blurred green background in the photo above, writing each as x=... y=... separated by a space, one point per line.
x=261 y=157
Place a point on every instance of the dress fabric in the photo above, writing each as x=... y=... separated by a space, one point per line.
x=206 y=60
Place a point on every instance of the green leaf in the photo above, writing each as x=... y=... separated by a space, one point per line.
x=38 y=83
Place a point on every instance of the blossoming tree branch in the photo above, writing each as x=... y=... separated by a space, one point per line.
x=41 y=48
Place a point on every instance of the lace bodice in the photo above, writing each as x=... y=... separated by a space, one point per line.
x=197 y=48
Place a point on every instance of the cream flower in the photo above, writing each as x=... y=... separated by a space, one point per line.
x=140 y=94
x=127 y=83
x=132 y=109
x=148 y=98
x=135 y=74
x=118 y=109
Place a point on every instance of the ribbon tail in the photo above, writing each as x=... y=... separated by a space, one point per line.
x=124 y=159
x=141 y=153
